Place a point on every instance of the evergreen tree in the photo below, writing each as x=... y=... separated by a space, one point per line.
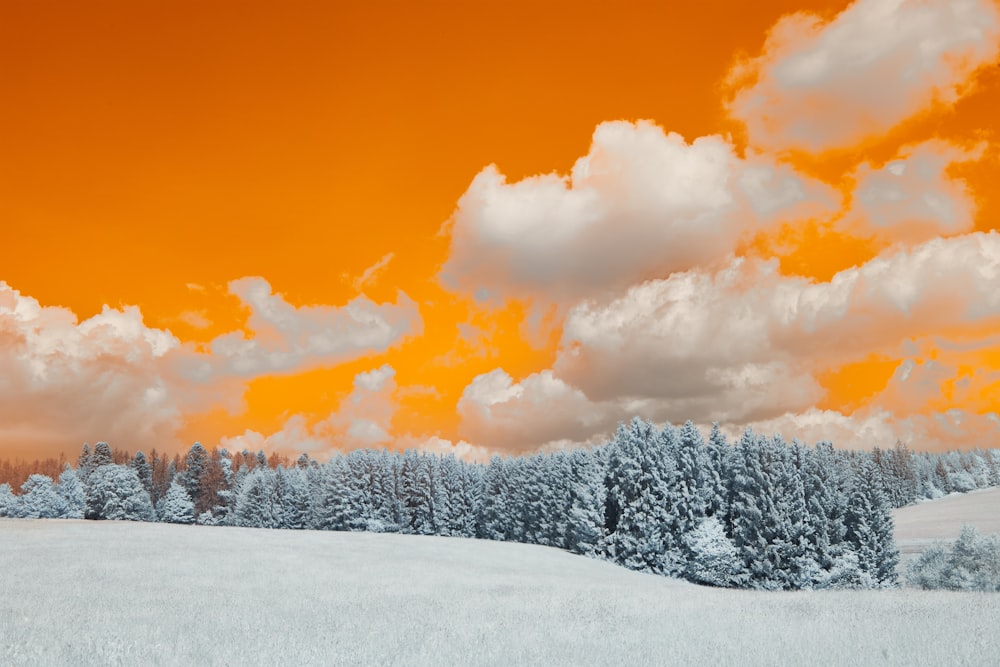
x=72 y=493
x=194 y=477
x=471 y=498
x=102 y=456
x=145 y=473
x=693 y=490
x=717 y=474
x=385 y=506
x=8 y=501
x=39 y=500
x=790 y=547
x=640 y=500
x=338 y=502
x=869 y=528
x=495 y=506
x=714 y=559
x=292 y=487
x=177 y=506
x=585 y=529
x=452 y=509
x=85 y=462
x=747 y=512
x=423 y=515
x=826 y=506
x=114 y=492
x=254 y=499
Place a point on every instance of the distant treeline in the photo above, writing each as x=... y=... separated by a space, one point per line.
x=757 y=513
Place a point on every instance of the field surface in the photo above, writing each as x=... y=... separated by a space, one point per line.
x=918 y=526
x=80 y=593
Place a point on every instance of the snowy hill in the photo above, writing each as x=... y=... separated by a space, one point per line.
x=83 y=592
x=920 y=525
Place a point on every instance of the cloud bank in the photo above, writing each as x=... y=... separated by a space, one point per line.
x=822 y=85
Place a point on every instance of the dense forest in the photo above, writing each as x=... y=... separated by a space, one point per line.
x=755 y=513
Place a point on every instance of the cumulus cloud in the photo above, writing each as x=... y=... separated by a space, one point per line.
x=912 y=198
x=289 y=339
x=640 y=204
x=112 y=377
x=699 y=333
x=877 y=427
x=820 y=85
x=63 y=381
x=740 y=345
x=362 y=420
x=540 y=410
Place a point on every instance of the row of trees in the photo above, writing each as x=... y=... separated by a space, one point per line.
x=758 y=513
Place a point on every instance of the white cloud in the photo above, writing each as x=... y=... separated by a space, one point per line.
x=640 y=204
x=362 y=420
x=501 y=414
x=952 y=429
x=699 y=333
x=111 y=377
x=821 y=85
x=195 y=318
x=740 y=345
x=63 y=382
x=289 y=339
x=372 y=273
x=911 y=197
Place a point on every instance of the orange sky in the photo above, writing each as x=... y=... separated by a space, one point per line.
x=150 y=153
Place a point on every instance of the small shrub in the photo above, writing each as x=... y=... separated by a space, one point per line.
x=972 y=563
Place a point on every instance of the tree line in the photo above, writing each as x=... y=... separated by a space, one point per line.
x=754 y=513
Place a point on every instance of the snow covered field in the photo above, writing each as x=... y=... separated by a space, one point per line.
x=920 y=525
x=82 y=592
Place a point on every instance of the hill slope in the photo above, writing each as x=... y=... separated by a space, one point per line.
x=75 y=592
x=920 y=525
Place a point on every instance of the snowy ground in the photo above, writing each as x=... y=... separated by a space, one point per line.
x=919 y=526
x=77 y=593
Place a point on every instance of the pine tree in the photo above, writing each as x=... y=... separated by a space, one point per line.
x=114 y=492
x=72 y=493
x=714 y=559
x=495 y=506
x=640 y=501
x=8 y=501
x=39 y=500
x=693 y=490
x=385 y=505
x=254 y=499
x=177 y=506
x=869 y=528
x=338 y=502
x=451 y=519
x=193 y=478
x=794 y=561
x=717 y=473
x=85 y=462
x=145 y=473
x=747 y=509
x=292 y=488
x=102 y=456
x=585 y=529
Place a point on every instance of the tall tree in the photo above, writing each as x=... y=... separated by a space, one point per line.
x=114 y=492
x=177 y=506
x=641 y=499
x=870 y=527
x=72 y=493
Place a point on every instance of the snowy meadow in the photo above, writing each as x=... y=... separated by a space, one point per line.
x=88 y=592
